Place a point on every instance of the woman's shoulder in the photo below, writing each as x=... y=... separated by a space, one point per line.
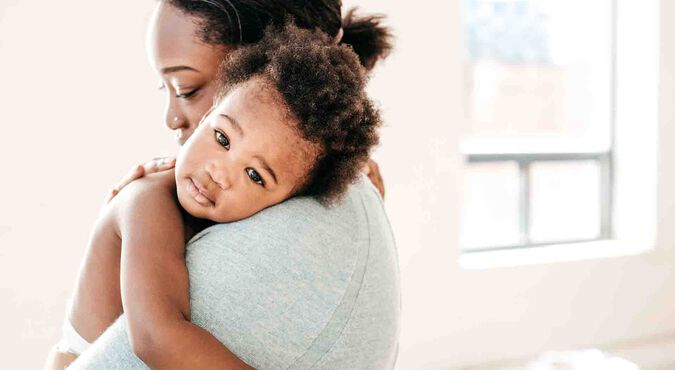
x=300 y=234
x=287 y=281
x=305 y=219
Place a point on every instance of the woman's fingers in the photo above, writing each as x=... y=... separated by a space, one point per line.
x=373 y=171
x=136 y=172
x=140 y=170
x=159 y=164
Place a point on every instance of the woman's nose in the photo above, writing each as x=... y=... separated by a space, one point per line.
x=174 y=119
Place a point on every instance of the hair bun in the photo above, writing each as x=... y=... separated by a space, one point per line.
x=370 y=40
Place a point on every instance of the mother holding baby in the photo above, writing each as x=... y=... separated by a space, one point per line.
x=298 y=285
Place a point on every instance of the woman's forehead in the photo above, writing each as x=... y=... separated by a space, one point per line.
x=173 y=40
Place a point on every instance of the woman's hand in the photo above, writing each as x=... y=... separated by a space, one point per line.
x=140 y=170
x=373 y=171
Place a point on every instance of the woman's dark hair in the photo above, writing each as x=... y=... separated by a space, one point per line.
x=242 y=22
x=322 y=85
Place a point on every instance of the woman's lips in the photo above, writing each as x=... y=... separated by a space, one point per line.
x=198 y=194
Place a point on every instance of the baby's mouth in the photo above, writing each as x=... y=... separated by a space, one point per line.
x=198 y=193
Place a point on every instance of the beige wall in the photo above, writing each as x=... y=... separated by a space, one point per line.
x=74 y=88
x=453 y=316
x=78 y=107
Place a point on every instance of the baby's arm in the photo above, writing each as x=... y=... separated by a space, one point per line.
x=154 y=282
x=96 y=302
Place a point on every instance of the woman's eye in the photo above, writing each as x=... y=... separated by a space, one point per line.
x=222 y=140
x=255 y=176
x=188 y=94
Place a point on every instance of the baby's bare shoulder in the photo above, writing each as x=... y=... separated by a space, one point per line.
x=152 y=194
x=155 y=184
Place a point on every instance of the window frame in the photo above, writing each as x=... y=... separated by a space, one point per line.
x=638 y=94
x=524 y=161
x=606 y=160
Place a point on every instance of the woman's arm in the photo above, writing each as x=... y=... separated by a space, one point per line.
x=58 y=360
x=154 y=282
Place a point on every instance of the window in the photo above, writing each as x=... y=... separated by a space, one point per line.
x=540 y=102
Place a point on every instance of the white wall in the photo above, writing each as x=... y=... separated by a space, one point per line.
x=452 y=316
x=74 y=83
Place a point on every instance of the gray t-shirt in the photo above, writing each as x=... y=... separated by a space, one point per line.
x=297 y=286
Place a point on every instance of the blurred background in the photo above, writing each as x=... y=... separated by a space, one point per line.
x=528 y=154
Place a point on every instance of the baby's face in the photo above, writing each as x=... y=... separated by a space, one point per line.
x=244 y=157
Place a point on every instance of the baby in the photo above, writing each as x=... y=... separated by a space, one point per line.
x=292 y=118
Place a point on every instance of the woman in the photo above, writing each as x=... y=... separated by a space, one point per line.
x=305 y=286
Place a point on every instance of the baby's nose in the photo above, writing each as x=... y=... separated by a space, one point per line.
x=220 y=175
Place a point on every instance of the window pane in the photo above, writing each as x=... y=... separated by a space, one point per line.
x=565 y=201
x=490 y=216
x=538 y=75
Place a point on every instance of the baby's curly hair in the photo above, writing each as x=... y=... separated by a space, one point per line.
x=323 y=87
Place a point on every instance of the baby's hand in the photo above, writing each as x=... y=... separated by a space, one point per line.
x=138 y=171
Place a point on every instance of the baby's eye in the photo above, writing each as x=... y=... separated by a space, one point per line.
x=255 y=176
x=222 y=140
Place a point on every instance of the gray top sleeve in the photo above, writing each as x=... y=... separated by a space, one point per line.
x=296 y=286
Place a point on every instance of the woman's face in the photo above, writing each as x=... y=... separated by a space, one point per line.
x=244 y=157
x=186 y=65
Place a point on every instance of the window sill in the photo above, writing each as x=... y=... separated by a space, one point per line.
x=552 y=254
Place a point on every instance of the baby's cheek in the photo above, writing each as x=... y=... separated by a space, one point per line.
x=183 y=198
x=186 y=163
x=233 y=210
x=224 y=216
x=181 y=160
